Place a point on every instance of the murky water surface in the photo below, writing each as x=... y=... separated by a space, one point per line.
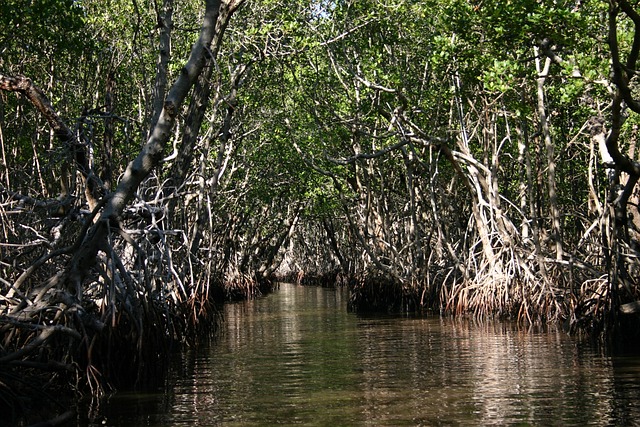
x=297 y=357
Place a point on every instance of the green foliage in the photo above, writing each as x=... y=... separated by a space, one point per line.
x=32 y=29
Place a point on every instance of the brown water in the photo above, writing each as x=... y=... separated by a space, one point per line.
x=297 y=357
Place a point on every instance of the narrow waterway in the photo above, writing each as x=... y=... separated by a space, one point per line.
x=297 y=357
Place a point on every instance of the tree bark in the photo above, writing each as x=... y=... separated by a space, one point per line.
x=151 y=154
x=165 y=25
x=556 y=228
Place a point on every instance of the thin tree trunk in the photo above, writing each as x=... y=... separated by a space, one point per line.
x=526 y=180
x=556 y=228
x=106 y=173
x=165 y=24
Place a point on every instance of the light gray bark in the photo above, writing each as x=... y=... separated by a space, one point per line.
x=556 y=227
x=151 y=154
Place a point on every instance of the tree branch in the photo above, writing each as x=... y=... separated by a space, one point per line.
x=25 y=86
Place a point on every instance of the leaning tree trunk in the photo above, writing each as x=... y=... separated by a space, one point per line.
x=150 y=156
x=77 y=323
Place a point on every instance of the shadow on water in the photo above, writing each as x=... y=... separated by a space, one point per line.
x=298 y=358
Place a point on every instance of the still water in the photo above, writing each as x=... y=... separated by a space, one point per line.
x=297 y=357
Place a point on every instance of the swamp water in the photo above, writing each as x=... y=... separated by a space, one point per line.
x=296 y=357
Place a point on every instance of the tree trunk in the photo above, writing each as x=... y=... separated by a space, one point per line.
x=165 y=24
x=556 y=228
x=150 y=156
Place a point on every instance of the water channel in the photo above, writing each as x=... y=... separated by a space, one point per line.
x=297 y=357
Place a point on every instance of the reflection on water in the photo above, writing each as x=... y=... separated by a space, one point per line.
x=298 y=358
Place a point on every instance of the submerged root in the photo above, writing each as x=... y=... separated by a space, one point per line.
x=330 y=279
x=371 y=292
x=508 y=287
x=240 y=286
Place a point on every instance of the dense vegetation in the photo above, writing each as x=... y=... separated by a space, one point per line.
x=461 y=157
